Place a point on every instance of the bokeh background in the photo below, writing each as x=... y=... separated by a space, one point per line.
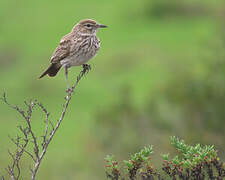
x=160 y=72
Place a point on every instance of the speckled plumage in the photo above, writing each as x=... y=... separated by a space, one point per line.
x=75 y=48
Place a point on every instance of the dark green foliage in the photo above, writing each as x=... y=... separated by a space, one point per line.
x=178 y=9
x=192 y=163
x=137 y=160
x=112 y=168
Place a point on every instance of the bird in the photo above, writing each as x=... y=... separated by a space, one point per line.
x=75 y=48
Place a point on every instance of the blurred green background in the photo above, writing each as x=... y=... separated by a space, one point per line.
x=160 y=72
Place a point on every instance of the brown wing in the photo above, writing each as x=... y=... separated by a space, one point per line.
x=62 y=51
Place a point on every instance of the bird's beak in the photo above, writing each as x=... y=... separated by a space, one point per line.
x=102 y=26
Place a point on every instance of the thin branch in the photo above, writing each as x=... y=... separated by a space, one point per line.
x=36 y=148
x=29 y=136
x=66 y=104
x=10 y=169
x=22 y=148
x=18 y=109
x=46 y=121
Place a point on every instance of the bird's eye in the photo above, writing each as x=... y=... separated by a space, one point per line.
x=88 y=25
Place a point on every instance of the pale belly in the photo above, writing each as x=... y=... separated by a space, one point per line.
x=79 y=60
x=82 y=56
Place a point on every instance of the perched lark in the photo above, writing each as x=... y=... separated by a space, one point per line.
x=75 y=48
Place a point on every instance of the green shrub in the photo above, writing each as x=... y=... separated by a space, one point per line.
x=192 y=162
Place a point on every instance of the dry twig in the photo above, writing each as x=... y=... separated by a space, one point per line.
x=29 y=135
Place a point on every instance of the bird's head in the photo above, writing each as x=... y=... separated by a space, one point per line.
x=88 y=27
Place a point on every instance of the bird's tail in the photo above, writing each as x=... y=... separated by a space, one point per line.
x=52 y=70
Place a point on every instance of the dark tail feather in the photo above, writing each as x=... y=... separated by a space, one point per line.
x=52 y=70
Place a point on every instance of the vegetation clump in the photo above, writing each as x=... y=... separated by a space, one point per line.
x=191 y=163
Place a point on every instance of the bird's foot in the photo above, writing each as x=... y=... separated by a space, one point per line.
x=69 y=90
x=86 y=68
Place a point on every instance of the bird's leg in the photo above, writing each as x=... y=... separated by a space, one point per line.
x=67 y=80
x=86 y=68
